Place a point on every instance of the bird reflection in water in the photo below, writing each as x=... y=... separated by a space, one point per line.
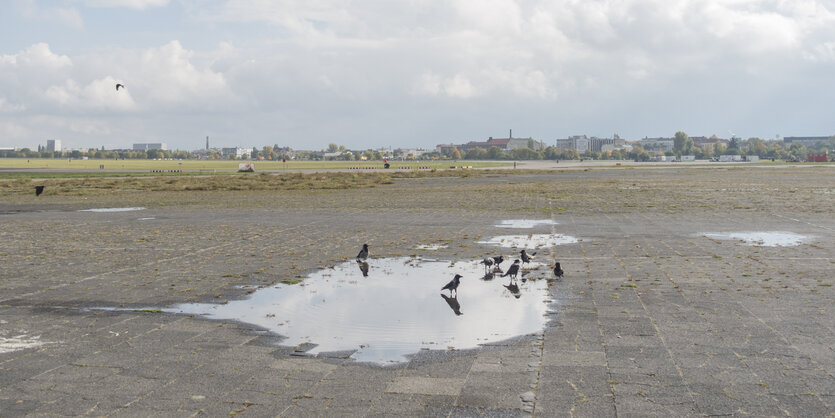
x=363 y=265
x=488 y=276
x=453 y=303
x=513 y=288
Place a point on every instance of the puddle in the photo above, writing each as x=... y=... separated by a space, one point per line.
x=431 y=247
x=101 y=210
x=19 y=342
x=762 y=239
x=530 y=241
x=396 y=310
x=524 y=223
x=146 y=219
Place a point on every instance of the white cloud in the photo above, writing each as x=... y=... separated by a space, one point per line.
x=69 y=16
x=133 y=4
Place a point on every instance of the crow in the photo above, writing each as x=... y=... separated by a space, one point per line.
x=453 y=303
x=513 y=270
x=498 y=260
x=558 y=270
x=363 y=252
x=526 y=258
x=453 y=285
x=38 y=190
x=119 y=85
x=488 y=262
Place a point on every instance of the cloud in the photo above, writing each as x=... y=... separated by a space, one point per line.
x=69 y=16
x=132 y=4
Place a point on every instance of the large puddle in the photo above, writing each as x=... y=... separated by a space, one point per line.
x=530 y=241
x=524 y=223
x=390 y=308
x=761 y=239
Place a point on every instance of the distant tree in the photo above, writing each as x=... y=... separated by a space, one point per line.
x=333 y=147
x=734 y=144
x=682 y=144
x=495 y=153
x=570 y=154
x=476 y=154
x=525 y=154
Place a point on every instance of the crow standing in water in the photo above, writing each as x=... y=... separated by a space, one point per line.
x=558 y=270
x=498 y=260
x=363 y=252
x=488 y=262
x=513 y=270
x=526 y=258
x=452 y=286
x=38 y=190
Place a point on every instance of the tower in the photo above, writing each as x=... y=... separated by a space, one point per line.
x=207 y=142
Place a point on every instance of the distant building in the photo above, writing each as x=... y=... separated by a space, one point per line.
x=808 y=141
x=504 y=144
x=582 y=143
x=238 y=152
x=150 y=146
x=657 y=144
x=53 y=145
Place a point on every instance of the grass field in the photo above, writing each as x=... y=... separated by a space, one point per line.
x=204 y=166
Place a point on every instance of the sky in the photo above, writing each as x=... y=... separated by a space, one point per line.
x=410 y=73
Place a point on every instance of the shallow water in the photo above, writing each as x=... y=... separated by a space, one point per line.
x=396 y=310
x=431 y=247
x=524 y=223
x=530 y=241
x=762 y=239
x=103 y=210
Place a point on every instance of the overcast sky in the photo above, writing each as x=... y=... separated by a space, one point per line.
x=410 y=73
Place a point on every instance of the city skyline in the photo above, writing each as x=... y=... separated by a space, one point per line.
x=369 y=75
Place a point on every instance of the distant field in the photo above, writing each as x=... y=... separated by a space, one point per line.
x=219 y=165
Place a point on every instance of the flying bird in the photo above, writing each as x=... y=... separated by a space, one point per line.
x=526 y=258
x=558 y=270
x=513 y=270
x=38 y=190
x=452 y=286
x=363 y=254
x=119 y=85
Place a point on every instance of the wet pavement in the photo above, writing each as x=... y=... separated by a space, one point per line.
x=651 y=318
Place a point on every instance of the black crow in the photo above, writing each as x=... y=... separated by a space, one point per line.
x=453 y=285
x=363 y=267
x=363 y=252
x=38 y=190
x=498 y=260
x=453 y=303
x=488 y=262
x=526 y=258
x=513 y=270
x=119 y=85
x=558 y=270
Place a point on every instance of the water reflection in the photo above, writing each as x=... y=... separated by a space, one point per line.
x=762 y=239
x=530 y=241
x=363 y=265
x=389 y=314
x=524 y=223
x=104 y=210
x=453 y=304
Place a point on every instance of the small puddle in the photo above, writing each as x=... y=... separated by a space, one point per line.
x=524 y=223
x=19 y=342
x=386 y=309
x=761 y=239
x=530 y=241
x=104 y=210
x=431 y=247
x=146 y=219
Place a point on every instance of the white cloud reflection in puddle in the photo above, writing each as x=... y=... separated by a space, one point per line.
x=524 y=223
x=761 y=239
x=530 y=241
x=105 y=210
x=397 y=310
